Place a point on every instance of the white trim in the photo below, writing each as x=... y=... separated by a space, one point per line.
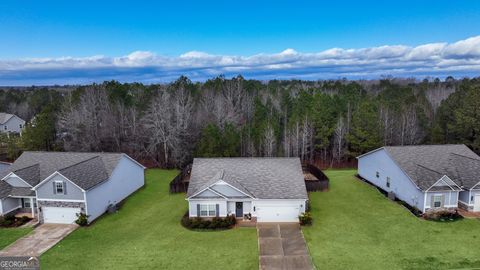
x=21 y=197
x=56 y=187
x=136 y=162
x=232 y=187
x=370 y=152
x=441 y=179
x=18 y=207
x=208 y=210
x=59 y=200
x=85 y=201
x=216 y=192
x=208 y=187
x=12 y=173
x=464 y=202
x=475 y=185
x=52 y=175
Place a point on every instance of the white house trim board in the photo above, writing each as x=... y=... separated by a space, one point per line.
x=441 y=179
x=85 y=201
x=136 y=162
x=60 y=200
x=52 y=175
x=370 y=152
x=209 y=188
x=225 y=183
x=13 y=174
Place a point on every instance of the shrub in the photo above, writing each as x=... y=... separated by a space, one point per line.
x=443 y=215
x=216 y=223
x=82 y=219
x=305 y=219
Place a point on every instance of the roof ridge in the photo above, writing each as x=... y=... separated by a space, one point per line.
x=476 y=159
x=36 y=164
x=83 y=161
x=427 y=168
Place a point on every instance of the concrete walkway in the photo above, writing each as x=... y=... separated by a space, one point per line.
x=40 y=240
x=282 y=247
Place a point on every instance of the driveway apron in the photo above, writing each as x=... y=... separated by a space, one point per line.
x=282 y=247
x=40 y=240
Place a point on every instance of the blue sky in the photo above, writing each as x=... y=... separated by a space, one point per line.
x=70 y=33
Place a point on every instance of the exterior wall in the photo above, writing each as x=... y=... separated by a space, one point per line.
x=464 y=198
x=13 y=125
x=247 y=207
x=192 y=206
x=208 y=194
x=45 y=191
x=127 y=177
x=9 y=204
x=16 y=182
x=260 y=203
x=227 y=190
x=400 y=183
x=450 y=199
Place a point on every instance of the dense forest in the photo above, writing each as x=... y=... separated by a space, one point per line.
x=169 y=124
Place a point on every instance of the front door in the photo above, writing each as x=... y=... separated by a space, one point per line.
x=239 y=209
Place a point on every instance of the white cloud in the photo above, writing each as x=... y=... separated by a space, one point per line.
x=461 y=58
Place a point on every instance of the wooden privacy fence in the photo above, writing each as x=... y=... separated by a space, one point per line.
x=319 y=181
x=181 y=181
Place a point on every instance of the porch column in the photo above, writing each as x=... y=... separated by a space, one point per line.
x=31 y=205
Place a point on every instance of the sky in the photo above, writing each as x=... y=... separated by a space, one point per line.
x=77 y=42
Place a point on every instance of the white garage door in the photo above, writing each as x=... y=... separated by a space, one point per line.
x=277 y=213
x=64 y=215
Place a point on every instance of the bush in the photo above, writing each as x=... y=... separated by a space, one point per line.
x=12 y=221
x=305 y=219
x=82 y=219
x=442 y=215
x=216 y=223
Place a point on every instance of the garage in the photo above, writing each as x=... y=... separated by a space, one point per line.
x=65 y=215
x=277 y=213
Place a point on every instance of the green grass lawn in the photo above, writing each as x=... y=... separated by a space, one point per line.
x=10 y=235
x=356 y=227
x=146 y=234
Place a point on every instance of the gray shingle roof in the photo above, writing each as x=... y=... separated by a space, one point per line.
x=84 y=169
x=262 y=178
x=426 y=164
x=21 y=192
x=5 y=189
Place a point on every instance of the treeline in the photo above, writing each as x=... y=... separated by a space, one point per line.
x=167 y=125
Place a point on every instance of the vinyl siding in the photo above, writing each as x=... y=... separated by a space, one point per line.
x=208 y=194
x=126 y=178
x=192 y=206
x=9 y=204
x=400 y=184
x=45 y=191
x=464 y=196
x=16 y=182
x=227 y=190
x=450 y=198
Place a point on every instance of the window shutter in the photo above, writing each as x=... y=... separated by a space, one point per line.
x=198 y=210
x=54 y=188
x=217 y=210
x=65 y=187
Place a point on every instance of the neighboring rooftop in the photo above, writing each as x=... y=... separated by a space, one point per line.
x=426 y=164
x=262 y=178
x=84 y=169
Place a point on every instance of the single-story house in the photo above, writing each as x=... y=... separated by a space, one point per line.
x=11 y=123
x=426 y=177
x=268 y=189
x=56 y=186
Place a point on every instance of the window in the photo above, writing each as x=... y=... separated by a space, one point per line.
x=59 y=187
x=437 y=201
x=207 y=210
x=378 y=174
x=388 y=181
x=20 y=125
x=5 y=127
x=26 y=203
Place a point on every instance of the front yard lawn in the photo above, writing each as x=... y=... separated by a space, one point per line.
x=356 y=227
x=10 y=235
x=146 y=234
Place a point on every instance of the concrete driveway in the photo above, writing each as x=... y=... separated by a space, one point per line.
x=282 y=247
x=40 y=240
